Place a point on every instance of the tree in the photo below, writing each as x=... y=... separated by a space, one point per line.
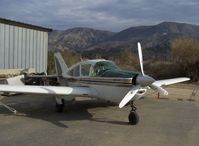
x=126 y=59
x=185 y=53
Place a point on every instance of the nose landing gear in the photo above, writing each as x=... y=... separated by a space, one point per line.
x=133 y=116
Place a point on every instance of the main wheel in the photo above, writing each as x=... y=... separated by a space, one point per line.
x=60 y=107
x=133 y=118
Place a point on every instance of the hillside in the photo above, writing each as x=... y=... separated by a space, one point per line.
x=76 y=39
x=155 y=39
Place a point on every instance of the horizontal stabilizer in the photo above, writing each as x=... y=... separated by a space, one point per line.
x=18 y=80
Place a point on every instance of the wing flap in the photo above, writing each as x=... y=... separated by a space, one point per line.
x=54 y=90
x=170 y=81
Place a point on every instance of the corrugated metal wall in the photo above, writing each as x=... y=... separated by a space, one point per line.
x=22 y=48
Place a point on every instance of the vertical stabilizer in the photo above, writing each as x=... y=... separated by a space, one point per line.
x=61 y=67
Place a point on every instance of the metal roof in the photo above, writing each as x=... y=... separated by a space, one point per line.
x=25 y=25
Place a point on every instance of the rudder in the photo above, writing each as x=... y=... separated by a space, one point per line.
x=60 y=65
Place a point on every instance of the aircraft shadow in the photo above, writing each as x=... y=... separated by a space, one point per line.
x=110 y=122
x=45 y=110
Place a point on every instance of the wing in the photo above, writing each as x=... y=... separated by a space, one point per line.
x=170 y=81
x=54 y=90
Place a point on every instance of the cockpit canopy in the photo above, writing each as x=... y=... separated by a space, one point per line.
x=92 y=68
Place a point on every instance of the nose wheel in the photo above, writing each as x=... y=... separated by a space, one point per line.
x=133 y=116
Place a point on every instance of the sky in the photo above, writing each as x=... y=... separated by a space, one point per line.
x=112 y=15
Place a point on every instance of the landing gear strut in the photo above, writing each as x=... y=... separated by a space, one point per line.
x=59 y=105
x=133 y=116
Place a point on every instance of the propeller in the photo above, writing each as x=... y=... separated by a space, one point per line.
x=140 y=58
x=159 y=89
x=129 y=96
x=141 y=80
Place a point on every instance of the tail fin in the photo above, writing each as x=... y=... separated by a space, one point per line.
x=61 y=67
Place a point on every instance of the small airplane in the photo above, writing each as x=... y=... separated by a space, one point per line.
x=98 y=78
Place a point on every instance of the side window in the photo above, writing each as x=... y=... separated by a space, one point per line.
x=85 y=69
x=99 y=68
x=75 y=71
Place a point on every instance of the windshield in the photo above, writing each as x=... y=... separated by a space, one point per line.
x=102 y=66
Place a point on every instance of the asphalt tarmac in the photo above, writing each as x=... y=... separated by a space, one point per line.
x=90 y=122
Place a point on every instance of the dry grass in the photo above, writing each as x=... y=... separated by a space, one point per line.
x=181 y=92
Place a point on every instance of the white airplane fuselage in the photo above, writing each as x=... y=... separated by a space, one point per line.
x=108 y=89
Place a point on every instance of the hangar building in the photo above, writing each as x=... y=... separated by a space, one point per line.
x=23 y=46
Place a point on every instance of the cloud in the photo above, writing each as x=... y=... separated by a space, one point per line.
x=113 y=15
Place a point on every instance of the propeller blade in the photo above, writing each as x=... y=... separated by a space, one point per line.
x=159 y=89
x=140 y=58
x=129 y=96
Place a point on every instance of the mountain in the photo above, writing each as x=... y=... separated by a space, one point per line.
x=155 y=39
x=170 y=29
x=76 y=39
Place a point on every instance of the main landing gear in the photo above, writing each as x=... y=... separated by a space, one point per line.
x=59 y=105
x=133 y=116
x=61 y=102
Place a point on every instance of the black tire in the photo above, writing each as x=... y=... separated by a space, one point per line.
x=133 y=118
x=60 y=107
